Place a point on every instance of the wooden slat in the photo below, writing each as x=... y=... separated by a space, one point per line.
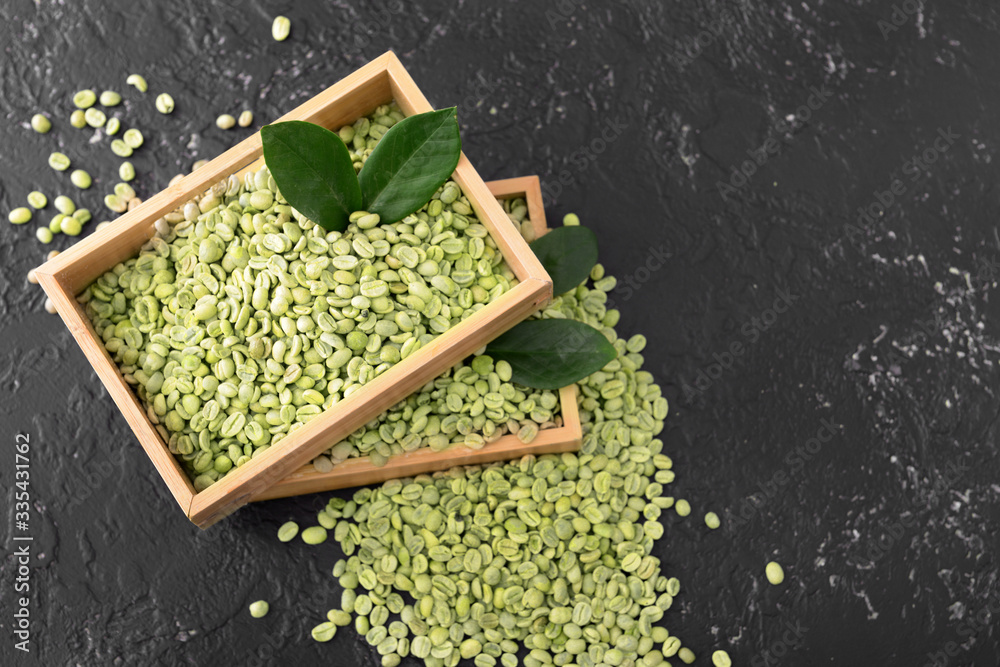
x=70 y=272
x=83 y=331
x=528 y=187
x=360 y=471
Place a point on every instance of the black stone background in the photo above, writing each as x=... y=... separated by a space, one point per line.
x=887 y=531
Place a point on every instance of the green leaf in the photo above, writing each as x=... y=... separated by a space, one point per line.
x=313 y=171
x=568 y=254
x=550 y=354
x=411 y=161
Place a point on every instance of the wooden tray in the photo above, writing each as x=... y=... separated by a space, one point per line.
x=380 y=81
x=360 y=471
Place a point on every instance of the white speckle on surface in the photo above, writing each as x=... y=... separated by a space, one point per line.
x=872 y=614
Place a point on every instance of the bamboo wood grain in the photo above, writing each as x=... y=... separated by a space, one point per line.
x=65 y=276
x=528 y=187
x=360 y=471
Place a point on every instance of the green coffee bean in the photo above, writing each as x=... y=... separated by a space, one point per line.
x=280 y=28
x=126 y=171
x=124 y=191
x=40 y=124
x=245 y=119
x=115 y=204
x=420 y=647
x=94 y=117
x=338 y=617
x=37 y=200
x=120 y=148
x=83 y=215
x=70 y=226
x=288 y=531
x=721 y=659
x=84 y=99
x=80 y=179
x=19 y=216
x=324 y=632
x=65 y=205
x=164 y=103
x=314 y=535
x=225 y=121
x=363 y=605
x=78 y=119
x=59 y=161
x=682 y=507
x=484 y=660
x=712 y=520
x=686 y=655
x=774 y=572
x=138 y=81
x=112 y=126
x=132 y=137
x=259 y=608
x=43 y=234
x=110 y=98
x=671 y=646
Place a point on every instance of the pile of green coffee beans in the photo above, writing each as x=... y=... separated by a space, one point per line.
x=549 y=554
x=471 y=405
x=517 y=210
x=241 y=320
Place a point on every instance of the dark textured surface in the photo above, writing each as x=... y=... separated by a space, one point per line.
x=887 y=530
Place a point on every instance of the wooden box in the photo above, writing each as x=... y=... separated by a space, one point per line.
x=65 y=276
x=360 y=471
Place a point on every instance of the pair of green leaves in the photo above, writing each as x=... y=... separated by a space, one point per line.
x=313 y=169
x=553 y=353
